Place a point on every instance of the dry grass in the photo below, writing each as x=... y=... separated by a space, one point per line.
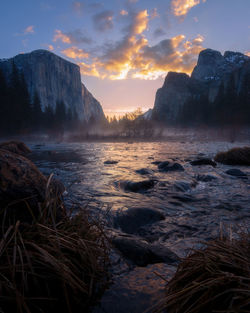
x=50 y=266
x=213 y=279
x=235 y=156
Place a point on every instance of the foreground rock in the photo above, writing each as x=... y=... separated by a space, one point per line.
x=170 y=167
x=17 y=147
x=142 y=253
x=22 y=187
x=235 y=156
x=203 y=161
x=131 y=220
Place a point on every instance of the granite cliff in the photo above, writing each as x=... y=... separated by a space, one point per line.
x=55 y=79
x=214 y=74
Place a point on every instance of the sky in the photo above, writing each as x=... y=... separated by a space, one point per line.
x=125 y=48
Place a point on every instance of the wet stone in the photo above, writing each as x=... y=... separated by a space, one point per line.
x=144 y=171
x=170 y=167
x=205 y=178
x=236 y=172
x=203 y=161
x=140 y=186
x=132 y=219
x=142 y=253
x=110 y=162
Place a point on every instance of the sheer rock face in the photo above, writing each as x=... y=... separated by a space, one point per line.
x=55 y=79
x=211 y=70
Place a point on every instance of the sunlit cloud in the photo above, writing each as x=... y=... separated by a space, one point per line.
x=247 y=53
x=103 y=20
x=133 y=57
x=72 y=37
x=60 y=36
x=75 y=53
x=50 y=47
x=181 y=7
x=29 y=30
x=124 y=12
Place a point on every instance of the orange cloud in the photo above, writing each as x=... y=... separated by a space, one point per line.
x=29 y=30
x=181 y=7
x=75 y=53
x=124 y=12
x=59 y=35
x=247 y=53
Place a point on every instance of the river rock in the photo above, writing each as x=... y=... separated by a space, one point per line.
x=141 y=253
x=132 y=219
x=17 y=147
x=182 y=186
x=140 y=186
x=205 y=177
x=144 y=171
x=170 y=167
x=236 y=172
x=22 y=187
x=110 y=162
x=203 y=161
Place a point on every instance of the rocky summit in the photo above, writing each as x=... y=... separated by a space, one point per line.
x=54 y=79
x=214 y=78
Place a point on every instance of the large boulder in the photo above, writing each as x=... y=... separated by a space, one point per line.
x=235 y=156
x=17 y=147
x=132 y=219
x=142 y=253
x=22 y=188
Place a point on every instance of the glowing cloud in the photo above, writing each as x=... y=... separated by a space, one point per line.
x=124 y=12
x=181 y=7
x=75 y=53
x=59 y=35
x=133 y=57
x=29 y=30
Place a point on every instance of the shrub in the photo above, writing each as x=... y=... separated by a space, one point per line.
x=212 y=279
x=235 y=156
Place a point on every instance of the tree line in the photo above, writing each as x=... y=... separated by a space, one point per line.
x=21 y=113
x=230 y=107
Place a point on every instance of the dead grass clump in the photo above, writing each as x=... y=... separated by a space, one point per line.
x=49 y=266
x=213 y=279
x=235 y=156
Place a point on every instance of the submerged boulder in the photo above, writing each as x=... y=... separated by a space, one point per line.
x=132 y=219
x=140 y=186
x=170 y=167
x=142 y=253
x=17 y=147
x=236 y=172
x=235 y=156
x=203 y=161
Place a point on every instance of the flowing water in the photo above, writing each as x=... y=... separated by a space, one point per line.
x=195 y=209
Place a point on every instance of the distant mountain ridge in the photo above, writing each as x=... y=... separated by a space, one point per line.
x=219 y=85
x=55 y=79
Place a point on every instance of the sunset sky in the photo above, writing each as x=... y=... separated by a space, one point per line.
x=125 y=47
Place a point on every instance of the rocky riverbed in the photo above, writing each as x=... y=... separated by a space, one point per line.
x=158 y=200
